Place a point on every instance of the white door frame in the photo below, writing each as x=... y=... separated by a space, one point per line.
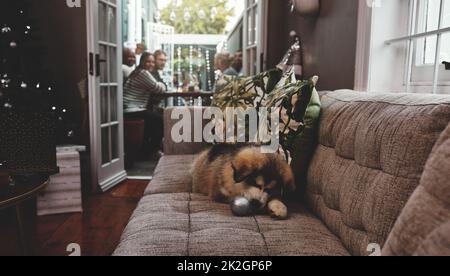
x=104 y=176
x=363 y=47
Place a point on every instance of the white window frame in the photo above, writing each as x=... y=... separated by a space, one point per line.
x=258 y=43
x=423 y=75
x=435 y=74
x=371 y=49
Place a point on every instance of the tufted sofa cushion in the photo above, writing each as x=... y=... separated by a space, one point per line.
x=371 y=154
x=172 y=222
x=423 y=228
x=437 y=243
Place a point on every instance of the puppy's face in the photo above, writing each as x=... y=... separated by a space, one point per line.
x=261 y=177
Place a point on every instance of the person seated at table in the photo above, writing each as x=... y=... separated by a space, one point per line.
x=236 y=65
x=140 y=88
x=222 y=62
x=128 y=63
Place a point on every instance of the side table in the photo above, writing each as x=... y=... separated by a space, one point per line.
x=14 y=196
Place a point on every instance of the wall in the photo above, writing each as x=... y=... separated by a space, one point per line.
x=64 y=37
x=329 y=40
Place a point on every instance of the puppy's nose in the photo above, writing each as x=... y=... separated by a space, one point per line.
x=255 y=204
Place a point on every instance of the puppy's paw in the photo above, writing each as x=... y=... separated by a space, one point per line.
x=277 y=209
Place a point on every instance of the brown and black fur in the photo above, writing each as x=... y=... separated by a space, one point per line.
x=227 y=171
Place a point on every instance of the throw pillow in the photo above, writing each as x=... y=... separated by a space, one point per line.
x=298 y=101
x=299 y=105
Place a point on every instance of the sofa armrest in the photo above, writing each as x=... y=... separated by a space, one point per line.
x=173 y=118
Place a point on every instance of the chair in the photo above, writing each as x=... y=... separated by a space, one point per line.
x=134 y=139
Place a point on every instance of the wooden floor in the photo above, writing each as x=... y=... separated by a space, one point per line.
x=97 y=230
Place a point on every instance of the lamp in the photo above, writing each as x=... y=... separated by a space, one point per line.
x=306 y=7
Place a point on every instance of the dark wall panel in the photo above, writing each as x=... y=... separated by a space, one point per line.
x=329 y=40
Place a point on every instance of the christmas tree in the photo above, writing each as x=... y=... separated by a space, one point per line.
x=29 y=110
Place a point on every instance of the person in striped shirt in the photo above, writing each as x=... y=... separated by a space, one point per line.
x=140 y=88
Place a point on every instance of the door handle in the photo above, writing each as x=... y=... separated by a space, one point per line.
x=91 y=64
x=98 y=60
x=261 y=62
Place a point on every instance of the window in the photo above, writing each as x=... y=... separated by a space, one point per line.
x=254 y=36
x=428 y=46
x=402 y=45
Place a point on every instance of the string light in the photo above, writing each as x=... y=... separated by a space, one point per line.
x=199 y=63
x=191 y=57
x=187 y=15
x=214 y=13
x=173 y=16
x=202 y=14
x=179 y=68
x=158 y=16
x=208 y=69
x=6 y=29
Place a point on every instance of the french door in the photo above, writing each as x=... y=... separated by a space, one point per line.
x=255 y=36
x=105 y=92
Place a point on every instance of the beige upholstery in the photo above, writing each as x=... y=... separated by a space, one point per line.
x=174 y=223
x=370 y=159
x=437 y=243
x=425 y=221
x=371 y=154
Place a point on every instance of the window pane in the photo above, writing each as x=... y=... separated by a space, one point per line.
x=112 y=24
x=102 y=25
x=105 y=146
x=255 y=62
x=250 y=27
x=445 y=48
x=112 y=63
x=104 y=107
x=114 y=103
x=114 y=142
x=255 y=26
x=426 y=50
x=433 y=13
x=103 y=65
x=250 y=62
x=446 y=18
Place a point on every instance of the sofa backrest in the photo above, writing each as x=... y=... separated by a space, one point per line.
x=423 y=227
x=370 y=158
x=174 y=120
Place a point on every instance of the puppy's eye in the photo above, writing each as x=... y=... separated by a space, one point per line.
x=252 y=182
x=274 y=192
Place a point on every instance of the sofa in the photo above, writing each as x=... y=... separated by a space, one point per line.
x=377 y=184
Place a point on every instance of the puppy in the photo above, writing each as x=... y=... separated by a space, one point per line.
x=227 y=171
